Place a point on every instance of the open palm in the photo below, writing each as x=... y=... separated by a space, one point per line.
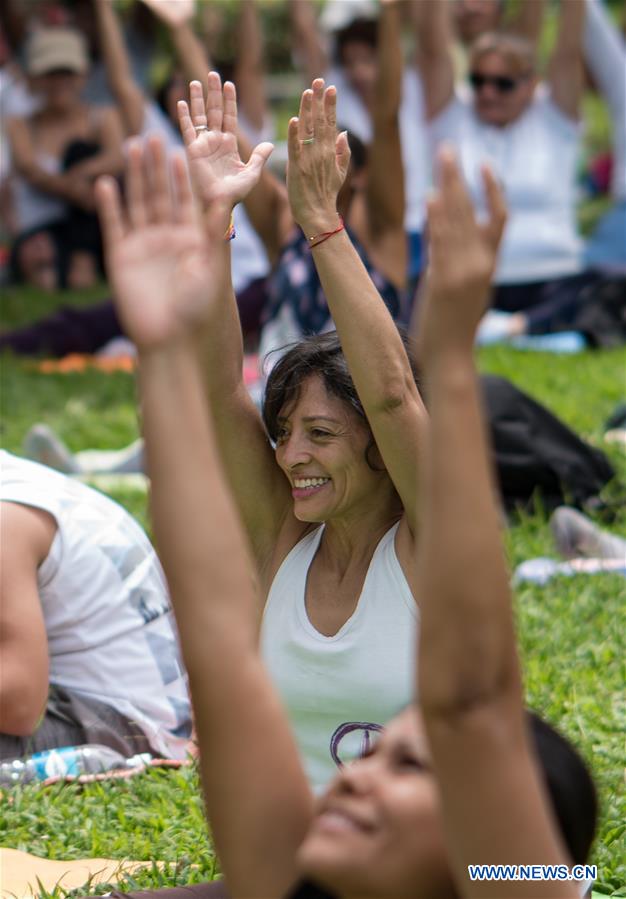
x=210 y=135
x=160 y=277
x=163 y=265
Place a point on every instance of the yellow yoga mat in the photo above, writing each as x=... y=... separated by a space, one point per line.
x=20 y=872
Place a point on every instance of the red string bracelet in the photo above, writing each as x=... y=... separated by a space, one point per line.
x=317 y=239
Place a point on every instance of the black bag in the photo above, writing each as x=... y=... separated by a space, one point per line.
x=536 y=453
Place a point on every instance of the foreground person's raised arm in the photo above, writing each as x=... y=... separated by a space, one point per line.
x=162 y=266
x=495 y=807
x=371 y=342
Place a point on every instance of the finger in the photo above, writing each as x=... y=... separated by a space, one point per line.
x=134 y=185
x=258 y=158
x=330 y=107
x=229 y=122
x=305 y=118
x=185 y=210
x=436 y=224
x=293 y=139
x=453 y=191
x=214 y=103
x=319 y=119
x=342 y=153
x=109 y=211
x=495 y=204
x=196 y=104
x=184 y=121
x=157 y=182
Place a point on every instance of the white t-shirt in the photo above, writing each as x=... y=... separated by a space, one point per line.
x=110 y=628
x=535 y=159
x=340 y=691
x=353 y=115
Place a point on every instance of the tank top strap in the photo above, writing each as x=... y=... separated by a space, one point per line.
x=294 y=569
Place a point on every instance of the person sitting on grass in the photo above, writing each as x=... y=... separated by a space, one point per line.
x=465 y=776
x=87 y=639
x=530 y=133
x=57 y=152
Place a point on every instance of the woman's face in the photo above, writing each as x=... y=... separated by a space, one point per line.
x=501 y=91
x=59 y=90
x=321 y=448
x=359 y=62
x=377 y=830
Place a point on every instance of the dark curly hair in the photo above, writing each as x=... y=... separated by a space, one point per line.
x=319 y=354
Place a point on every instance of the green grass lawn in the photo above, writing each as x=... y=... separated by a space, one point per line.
x=572 y=631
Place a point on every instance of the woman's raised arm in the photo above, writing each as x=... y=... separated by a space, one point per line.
x=494 y=803
x=434 y=39
x=318 y=163
x=218 y=174
x=565 y=69
x=129 y=97
x=384 y=192
x=164 y=268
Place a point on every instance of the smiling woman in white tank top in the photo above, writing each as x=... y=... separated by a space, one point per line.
x=344 y=420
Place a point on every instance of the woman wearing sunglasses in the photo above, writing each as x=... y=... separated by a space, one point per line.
x=529 y=133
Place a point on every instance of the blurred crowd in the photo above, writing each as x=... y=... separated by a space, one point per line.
x=81 y=77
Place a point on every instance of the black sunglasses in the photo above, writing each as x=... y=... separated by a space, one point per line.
x=502 y=83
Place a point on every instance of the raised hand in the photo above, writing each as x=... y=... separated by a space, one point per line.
x=161 y=261
x=172 y=12
x=210 y=135
x=462 y=255
x=318 y=160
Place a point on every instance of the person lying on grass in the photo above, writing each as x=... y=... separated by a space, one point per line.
x=465 y=777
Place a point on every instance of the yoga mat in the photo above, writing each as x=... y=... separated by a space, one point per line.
x=21 y=871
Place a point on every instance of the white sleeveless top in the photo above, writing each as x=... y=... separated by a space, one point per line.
x=110 y=628
x=340 y=690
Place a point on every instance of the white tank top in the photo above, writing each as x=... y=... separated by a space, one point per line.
x=110 y=628
x=340 y=690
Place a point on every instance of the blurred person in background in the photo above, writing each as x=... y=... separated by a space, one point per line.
x=371 y=201
x=57 y=152
x=352 y=61
x=143 y=115
x=530 y=134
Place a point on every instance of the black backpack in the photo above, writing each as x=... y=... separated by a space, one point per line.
x=535 y=453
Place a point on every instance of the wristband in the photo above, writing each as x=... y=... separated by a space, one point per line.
x=230 y=232
x=317 y=239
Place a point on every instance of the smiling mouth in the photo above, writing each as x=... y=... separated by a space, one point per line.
x=337 y=821
x=303 y=487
